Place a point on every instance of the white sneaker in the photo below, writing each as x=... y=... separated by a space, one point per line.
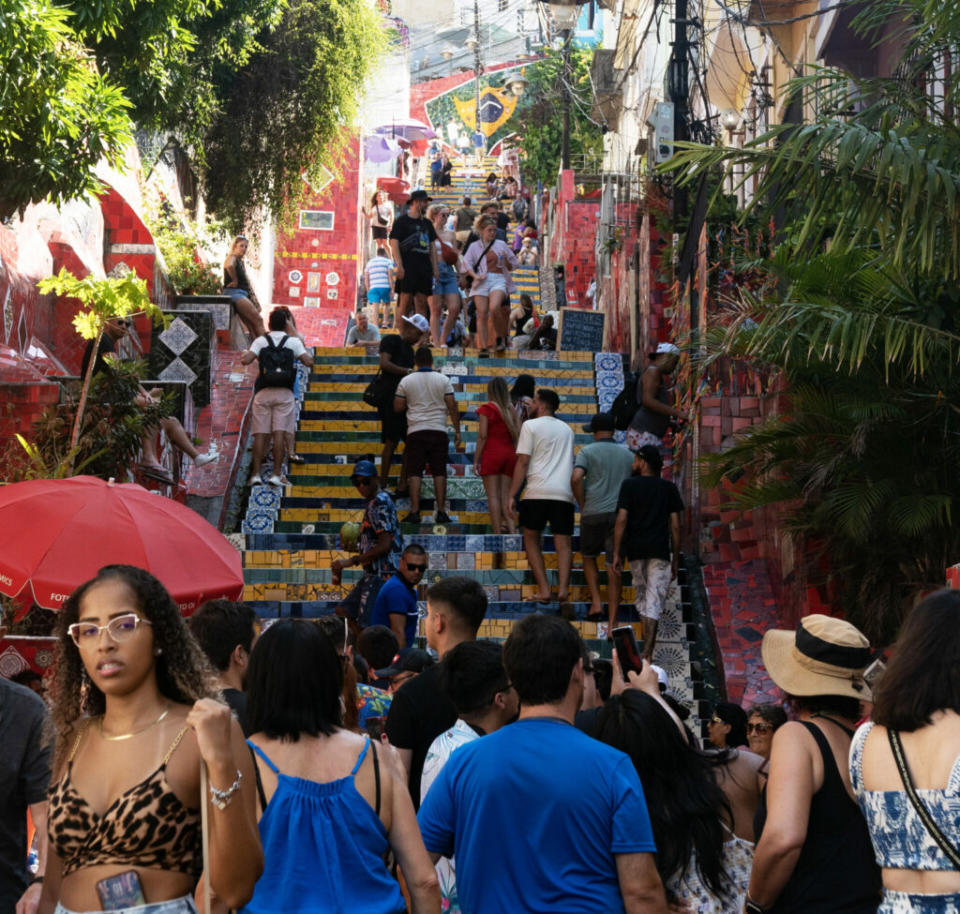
x=201 y=460
x=278 y=481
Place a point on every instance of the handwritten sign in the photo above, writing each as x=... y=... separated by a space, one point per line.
x=581 y=330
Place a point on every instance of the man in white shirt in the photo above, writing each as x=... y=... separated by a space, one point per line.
x=362 y=333
x=427 y=397
x=545 y=460
x=274 y=406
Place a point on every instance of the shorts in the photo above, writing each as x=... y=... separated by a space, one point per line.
x=651 y=579
x=393 y=425
x=536 y=513
x=236 y=293
x=446 y=282
x=379 y=295
x=274 y=411
x=415 y=282
x=596 y=535
x=912 y=903
x=358 y=604
x=492 y=282
x=182 y=905
x=379 y=232
x=429 y=447
x=637 y=439
x=497 y=461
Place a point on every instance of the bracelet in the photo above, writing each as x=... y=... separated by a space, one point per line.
x=221 y=798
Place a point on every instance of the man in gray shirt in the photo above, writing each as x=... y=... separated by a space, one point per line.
x=26 y=738
x=362 y=333
x=598 y=471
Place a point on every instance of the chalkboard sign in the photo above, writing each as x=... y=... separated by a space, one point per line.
x=581 y=330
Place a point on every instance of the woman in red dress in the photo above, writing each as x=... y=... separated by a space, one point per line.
x=496 y=454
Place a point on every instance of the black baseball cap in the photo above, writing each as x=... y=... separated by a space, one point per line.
x=407 y=660
x=420 y=194
x=601 y=422
x=652 y=456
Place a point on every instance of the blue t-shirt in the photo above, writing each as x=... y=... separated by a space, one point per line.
x=536 y=812
x=396 y=596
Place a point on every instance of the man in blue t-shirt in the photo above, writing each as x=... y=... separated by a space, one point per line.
x=542 y=817
x=396 y=603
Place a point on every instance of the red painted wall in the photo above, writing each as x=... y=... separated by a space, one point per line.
x=318 y=267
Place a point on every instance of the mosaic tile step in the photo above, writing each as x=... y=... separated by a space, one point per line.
x=331 y=521
x=468 y=387
x=372 y=434
x=320 y=555
x=473 y=543
x=485 y=368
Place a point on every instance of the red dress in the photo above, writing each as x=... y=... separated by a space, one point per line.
x=499 y=455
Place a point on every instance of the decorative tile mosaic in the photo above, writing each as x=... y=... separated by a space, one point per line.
x=178 y=336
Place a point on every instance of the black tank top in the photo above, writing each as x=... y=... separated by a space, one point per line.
x=837 y=872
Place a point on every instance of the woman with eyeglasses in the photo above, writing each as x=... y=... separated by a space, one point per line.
x=136 y=718
x=762 y=722
x=237 y=285
x=329 y=808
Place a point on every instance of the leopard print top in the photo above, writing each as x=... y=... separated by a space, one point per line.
x=146 y=826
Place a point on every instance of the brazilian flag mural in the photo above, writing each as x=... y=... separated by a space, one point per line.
x=497 y=105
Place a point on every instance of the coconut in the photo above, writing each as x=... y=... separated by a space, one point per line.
x=349 y=536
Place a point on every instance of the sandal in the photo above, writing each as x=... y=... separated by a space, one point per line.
x=296 y=458
x=157 y=473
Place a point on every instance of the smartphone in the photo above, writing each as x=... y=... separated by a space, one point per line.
x=628 y=651
x=120 y=891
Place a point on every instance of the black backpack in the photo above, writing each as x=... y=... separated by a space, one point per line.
x=276 y=364
x=624 y=407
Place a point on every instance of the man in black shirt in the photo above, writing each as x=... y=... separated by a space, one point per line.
x=396 y=361
x=420 y=710
x=226 y=633
x=413 y=242
x=648 y=523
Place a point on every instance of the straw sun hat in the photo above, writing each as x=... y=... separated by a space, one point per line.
x=824 y=656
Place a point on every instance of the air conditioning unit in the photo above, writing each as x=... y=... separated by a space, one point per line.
x=661 y=122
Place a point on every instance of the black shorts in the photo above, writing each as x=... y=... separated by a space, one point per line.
x=416 y=281
x=596 y=535
x=424 y=448
x=393 y=425
x=536 y=513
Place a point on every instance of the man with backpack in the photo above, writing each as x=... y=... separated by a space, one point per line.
x=274 y=413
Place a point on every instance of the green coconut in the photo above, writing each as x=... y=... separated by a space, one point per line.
x=349 y=536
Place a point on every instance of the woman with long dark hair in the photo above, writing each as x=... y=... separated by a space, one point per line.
x=136 y=717
x=813 y=849
x=329 y=809
x=522 y=394
x=916 y=716
x=703 y=865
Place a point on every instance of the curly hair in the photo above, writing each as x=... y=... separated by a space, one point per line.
x=183 y=672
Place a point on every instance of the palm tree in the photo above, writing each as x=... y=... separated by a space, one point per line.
x=860 y=311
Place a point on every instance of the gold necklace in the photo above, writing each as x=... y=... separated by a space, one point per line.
x=132 y=733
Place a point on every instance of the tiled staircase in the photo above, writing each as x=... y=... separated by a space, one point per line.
x=291 y=536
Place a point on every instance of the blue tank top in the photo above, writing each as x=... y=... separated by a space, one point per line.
x=323 y=848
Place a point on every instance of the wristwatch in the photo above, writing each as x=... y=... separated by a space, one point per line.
x=751 y=907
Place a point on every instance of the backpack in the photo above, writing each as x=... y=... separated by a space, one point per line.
x=276 y=364
x=624 y=407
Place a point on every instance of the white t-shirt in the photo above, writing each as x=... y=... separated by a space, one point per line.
x=549 y=444
x=426 y=409
x=293 y=342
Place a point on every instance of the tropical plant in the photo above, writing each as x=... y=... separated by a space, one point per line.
x=101 y=300
x=859 y=308
x=184 y=244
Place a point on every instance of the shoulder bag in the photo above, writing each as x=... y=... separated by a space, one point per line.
x=950 y=852
x=379 y=391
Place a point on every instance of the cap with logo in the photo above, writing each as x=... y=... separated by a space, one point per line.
x=418 y=321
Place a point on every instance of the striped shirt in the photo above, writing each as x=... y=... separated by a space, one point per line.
x=378 y=272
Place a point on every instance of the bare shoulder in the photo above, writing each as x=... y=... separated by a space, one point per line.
x=747 y=762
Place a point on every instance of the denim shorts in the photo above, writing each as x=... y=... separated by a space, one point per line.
x=911 y=903
x=492 y=282
x=182 y=905
x=236 y=293
x=446 y=282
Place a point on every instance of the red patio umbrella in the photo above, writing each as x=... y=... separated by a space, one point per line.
x=57 y=533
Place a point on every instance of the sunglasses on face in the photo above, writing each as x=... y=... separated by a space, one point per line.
x=421 y=568
x=120 y=629
x=759 y=728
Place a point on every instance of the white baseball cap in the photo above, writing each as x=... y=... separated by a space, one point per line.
x=418 y=321
x=666 y=347
x=661 y=674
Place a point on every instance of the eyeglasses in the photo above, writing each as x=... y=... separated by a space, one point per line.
x=759 y=728
x=420 y=568
x=120 y=629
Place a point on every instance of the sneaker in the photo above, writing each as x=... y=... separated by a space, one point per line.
x=412 y=518
x=201 y=460
x=278 y=480
x=442 y=517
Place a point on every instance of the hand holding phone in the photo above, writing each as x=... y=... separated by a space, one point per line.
x=628 y=650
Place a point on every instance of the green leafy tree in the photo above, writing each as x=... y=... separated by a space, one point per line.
x=284 y=114
x=539 y=121
x=58 y=115
x=860 y=310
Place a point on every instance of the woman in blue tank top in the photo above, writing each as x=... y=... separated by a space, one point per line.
x=329 y=810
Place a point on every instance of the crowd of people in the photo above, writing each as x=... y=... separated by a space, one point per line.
x=296 y=766
x=453 y=267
